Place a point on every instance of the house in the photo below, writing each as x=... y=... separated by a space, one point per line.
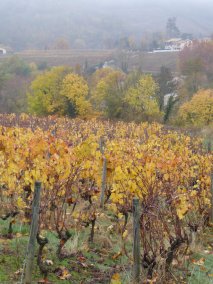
x=177 y=44
x=173 y=45
x=110 y=63
x=3 y=51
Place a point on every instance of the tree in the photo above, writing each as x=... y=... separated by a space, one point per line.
x=15 y=76
x=171 y=28
x=124 y=43
x=164 y=80
x=3 y=78
x=13 y=94
x=196 y=63
x=166 y=86
x=197 y=58
x=145 y=42
x=169 y=108
x=142 y=99
x=58 y=91
x=157 y=41
x=75 y=89
x=199 y=110
x=16 y=66
x=107 y=91
x=44 y=96
x=61 y=43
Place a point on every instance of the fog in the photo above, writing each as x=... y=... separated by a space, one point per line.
x=91 y=23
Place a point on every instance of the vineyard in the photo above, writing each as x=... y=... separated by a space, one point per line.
x=90 y=172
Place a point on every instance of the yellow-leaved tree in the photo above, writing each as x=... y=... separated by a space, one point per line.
x=75 y=89
x=141 y=99
x=58 y=91
x=107 y=91
x=199 y=110
x=44 y=94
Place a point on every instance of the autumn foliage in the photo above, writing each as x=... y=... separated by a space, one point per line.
x=198 y=57
x=58 y=91
x=168 y=171
x=199 y=110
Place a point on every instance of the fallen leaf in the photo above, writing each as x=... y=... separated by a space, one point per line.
x=203 y=268
x=63 y=273
x=117 y=255
x=153 y=280
x=199 y=262
x=18 y=272
x=81 y=258
x=44 y=281
x=125 y=234
x=116 y=279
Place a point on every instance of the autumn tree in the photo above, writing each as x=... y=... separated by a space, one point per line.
x=141 y=100
x=107 y=91
x=58 y=91
x=197 y=57
x=15 y=77
x=199 y=110
x=75 y=89
x=44 y=96
x=167 y=85
x=196 y=63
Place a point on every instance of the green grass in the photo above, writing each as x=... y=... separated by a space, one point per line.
x=88 y=263
x=91 y=263
x=201 y=274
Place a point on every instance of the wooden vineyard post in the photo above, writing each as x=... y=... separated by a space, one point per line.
x=209 y=147
x=103 y=182
x=211 y=185
x=104 y=174
x=33 y=233
x=136 y=241
x=211 y=213
x=101 y=145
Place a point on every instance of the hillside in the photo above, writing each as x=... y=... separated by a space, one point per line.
x=95 y=24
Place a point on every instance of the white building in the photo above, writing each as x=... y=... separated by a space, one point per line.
x=3 y=51
x=177 y=44
x=110 y=64
x=173 y=45
x=168 y=96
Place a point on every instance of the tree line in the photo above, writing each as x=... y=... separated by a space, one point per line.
x=111 y=93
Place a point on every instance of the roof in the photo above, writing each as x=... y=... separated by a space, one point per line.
x=7 y=48
x=173 y=39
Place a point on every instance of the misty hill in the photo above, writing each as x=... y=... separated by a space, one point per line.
x=26 y=24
